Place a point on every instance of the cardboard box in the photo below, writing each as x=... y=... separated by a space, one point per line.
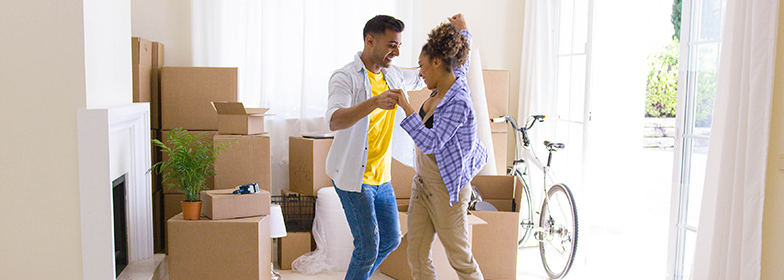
x=155 y=89
x=141 y=53
x=307 y=158
x=500 y=150
x=402 y=204
x=171 y=205
x=234 y=118
x=223 y=204
x=219 y=249
x=497 y=94
x=246 y=160
x=293 y=245
x=186 y=93
x=417 y=97
x=402 y=178
x=396 y=264
x=501 y=204
x=209 y=182
x=495 y=244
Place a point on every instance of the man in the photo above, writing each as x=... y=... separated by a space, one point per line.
x=362 y=109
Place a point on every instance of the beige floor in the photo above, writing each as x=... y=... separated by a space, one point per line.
x=529 y=268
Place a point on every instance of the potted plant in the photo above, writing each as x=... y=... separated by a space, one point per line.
x=190 y=161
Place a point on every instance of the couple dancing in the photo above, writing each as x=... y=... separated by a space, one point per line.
x=367 y=100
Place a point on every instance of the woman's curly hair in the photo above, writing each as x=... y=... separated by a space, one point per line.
x=445 y=42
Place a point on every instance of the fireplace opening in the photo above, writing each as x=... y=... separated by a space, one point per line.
x=120 y=228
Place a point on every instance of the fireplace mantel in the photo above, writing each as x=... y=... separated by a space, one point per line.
x=95 y=130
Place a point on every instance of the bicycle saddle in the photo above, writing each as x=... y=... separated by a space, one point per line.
x=554 y=146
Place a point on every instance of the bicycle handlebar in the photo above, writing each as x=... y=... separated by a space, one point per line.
x=530 y=123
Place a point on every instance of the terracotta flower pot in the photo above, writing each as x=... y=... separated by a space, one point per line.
x=191 y=210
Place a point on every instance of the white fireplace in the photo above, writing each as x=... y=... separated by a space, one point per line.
x=111 y=141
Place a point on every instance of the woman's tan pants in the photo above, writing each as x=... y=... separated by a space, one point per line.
x=429 y=213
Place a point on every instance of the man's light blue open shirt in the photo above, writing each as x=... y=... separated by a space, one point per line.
x=348 y=87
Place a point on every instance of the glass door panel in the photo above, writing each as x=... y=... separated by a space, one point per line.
x=702 y=23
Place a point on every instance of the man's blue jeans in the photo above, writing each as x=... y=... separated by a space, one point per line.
x=373 y=218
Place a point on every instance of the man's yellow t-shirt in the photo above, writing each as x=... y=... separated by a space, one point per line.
x=377 y=169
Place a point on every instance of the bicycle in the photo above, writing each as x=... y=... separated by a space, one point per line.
x=558 y=228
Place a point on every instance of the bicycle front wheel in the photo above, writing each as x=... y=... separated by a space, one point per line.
x=558 y=240
x=526 y=220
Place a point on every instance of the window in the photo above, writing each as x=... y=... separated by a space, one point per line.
x=702 y=28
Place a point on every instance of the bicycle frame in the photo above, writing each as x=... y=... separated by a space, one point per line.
x=524 y=157
x=552 y=232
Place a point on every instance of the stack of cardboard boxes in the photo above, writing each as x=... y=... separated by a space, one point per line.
x=307 y=157
x=182 y=97
x=203 y=100
x=230 y=241
x=247 y=158
x=185 y=101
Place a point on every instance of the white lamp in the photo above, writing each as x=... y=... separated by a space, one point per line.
x=277 y=230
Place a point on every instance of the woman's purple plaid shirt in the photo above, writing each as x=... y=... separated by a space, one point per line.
x=459 y=152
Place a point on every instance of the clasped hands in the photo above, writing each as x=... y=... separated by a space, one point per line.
x=388 y=99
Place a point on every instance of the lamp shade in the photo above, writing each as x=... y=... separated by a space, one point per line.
x=277 y=226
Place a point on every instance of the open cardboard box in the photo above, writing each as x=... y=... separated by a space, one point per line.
x=396 y=264
x=223 y=204
x=495 y=243
x=235 y=118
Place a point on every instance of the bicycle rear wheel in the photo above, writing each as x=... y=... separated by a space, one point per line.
x=526 y=220
x=558 y=242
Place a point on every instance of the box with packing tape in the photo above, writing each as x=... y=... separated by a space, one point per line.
x=224 y=204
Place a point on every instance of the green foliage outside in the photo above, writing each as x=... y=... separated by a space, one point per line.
x=706 y=89
x=662 y=88
x=675 y=18
x=191 y=160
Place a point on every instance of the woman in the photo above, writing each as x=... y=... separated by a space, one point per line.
x=448 y=153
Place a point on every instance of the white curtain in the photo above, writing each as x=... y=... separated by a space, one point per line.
x=538 y=75
x=537 y=68
x=286 y=52
x=729 y=239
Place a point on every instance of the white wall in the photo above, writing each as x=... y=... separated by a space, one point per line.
x=60 y=57
x=107 y=48
x=168 y=22
x=772 y=223
x=42 y=85
x=497 y=27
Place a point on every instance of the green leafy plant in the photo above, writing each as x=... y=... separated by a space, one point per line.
x=662 y=88
x=191 y=160
x=675 y=17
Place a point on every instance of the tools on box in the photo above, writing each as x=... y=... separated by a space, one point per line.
x=247 y=189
